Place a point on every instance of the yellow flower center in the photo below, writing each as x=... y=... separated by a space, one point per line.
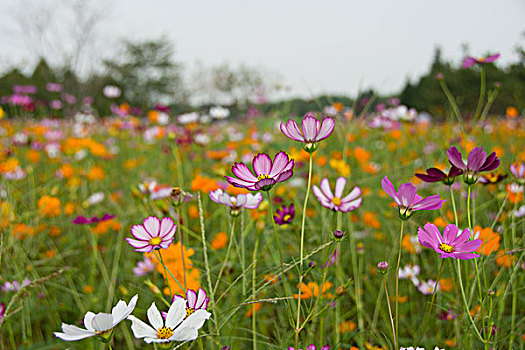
x=336 y=201
x=164 y=332
x=446 y=248
x=263 y=176
x=286 y=217
x=155 y=241
x=189 y=311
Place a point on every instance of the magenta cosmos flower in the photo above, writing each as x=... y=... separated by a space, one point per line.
x=312 y=131
x=82 y=220
x=284 y=215
x=469 y=61
x=267 y=173
x=450 y=244
x=152 y=234
x=477 y=162
x=336 y=201
x=248 y=201
x=408 y=200
x=435 y=175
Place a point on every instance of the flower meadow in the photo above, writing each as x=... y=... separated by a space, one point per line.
x=383 y=230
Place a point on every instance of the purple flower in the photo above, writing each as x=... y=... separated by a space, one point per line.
x=248 y=201
x=332 y=258
x=54 y=87
x=435 y=175
x=144 y=267
x=2 y=311
x=285 y=215
x=428 y=287
x=312 y=347
x=450 y=244
x=152 y=234
x=312 y=131
x=491 y=178
x=477 y=162
x=447 y=315
x=336 y=201
x=194 y=301
x=469 y=61
x=518 y=171
x=408 y=200
x=82 y=220
x=267 y=174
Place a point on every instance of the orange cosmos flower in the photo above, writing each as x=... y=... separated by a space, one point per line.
x=49 y=206
x=219 y=241
x=490 y=239
x=312 y=290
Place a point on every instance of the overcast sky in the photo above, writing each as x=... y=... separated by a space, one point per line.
x=325 y=46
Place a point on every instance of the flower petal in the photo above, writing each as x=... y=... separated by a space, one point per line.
x=154 y=316
x=152 y=225
x=327 y=127
x=262 y=164
x=339 y=187
x=141 y=329
x=176 y=313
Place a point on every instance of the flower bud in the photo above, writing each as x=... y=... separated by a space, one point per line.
x=311 y=264
x=341 y=290
x=382 y=266
x=338 y=235
x=439 y=76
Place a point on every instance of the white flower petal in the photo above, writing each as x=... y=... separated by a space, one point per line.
x=141 y=329
x=121 y=310
x=176 y=313
x=88 y=317
x=72 y=333
x=102 y=322
x=155 y=317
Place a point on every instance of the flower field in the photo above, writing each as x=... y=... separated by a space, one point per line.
x=262 y=232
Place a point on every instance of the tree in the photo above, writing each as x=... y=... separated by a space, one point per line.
x=147 y=72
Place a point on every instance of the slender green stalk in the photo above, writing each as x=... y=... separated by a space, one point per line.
x=514 y=295
x=467 y=309
x=283 y=276
x=302 y=252
x=357 y=290
x=254 y=281
x=396 y=340
x=431 y=301
x=207 y=265
x=165 y=272
x=452 y=102
x=390 y=312
x=481 y=93
x=181 y=248
x=453 y=205
x=227 y=256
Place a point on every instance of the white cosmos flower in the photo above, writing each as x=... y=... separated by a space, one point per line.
x=181 y=324
x=98 y=324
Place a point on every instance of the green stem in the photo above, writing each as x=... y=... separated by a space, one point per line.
x=165 y=273
x=467 y=309
x=297 y=330
x=396 y=340
x=514 y=295
x=453 y=204
x=181 y=249
x=452 y=102
x=357 y=290
x=431 y=301
x=254 y=280
x=283 y=277
x=481 y=93
x=390 y=312
x=226 y=258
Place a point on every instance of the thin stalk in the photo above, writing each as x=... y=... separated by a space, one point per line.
x=357 y=290
x=467 y=309
x=453 y=205
x=431 y=301
x=396 y=340
x=165 y=273
x=452 y=102
x=390 y=312
x=254 y=280
x=283 y=276
x=181 y=248
x=481 y=93
x=514 y=295
x=297 y=331
x=226 y=258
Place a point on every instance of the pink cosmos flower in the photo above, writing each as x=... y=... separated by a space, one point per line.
x=477 y=162
x=194 y=301
x=336 y=201
x=248 y=201
x=144 y=267
x=518 y=170
x=267 y=173
x=82 y=220
x=152 y=234
x=469 y=61
x=312 y=131
x=408 y=200
x=450 y=244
